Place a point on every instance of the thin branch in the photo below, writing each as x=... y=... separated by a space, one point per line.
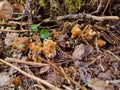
x=113 y=54
x=59 y=70
x=64 y=53
x=25 y=62
x=106 y=7
x=31 y=76
x=80 y=16
x=14 y=31
x=99 y=7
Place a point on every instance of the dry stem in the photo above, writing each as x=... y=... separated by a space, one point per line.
x=80 y=16
x=113 y=54
x=25 y=62
x=14 y=31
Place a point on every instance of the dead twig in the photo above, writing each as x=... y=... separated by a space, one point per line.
x=106 y=7
x=98 y=8
x=113 y=54
x=58 y=69
x=14 y=31
x=80 y=16
x=69 y=56
x=31 y=76
x=25 y=62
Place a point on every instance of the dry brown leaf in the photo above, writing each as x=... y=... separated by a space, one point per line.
x=98 y=84
x=18 y=7
x=88 y=49
x=105 y=75
x=78 y=52
x=54 y=78
x=6 y=9
x=10 y=37
x=4 y=79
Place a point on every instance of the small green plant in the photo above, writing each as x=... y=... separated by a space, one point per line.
x=44 y=33
x=34 y=28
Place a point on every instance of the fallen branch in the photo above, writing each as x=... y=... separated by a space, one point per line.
x=31 y=76
x=80 y=16
x=14 y=31
x=13 y=23
x=25 y=62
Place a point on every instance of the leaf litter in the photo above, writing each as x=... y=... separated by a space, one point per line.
x=59 y=45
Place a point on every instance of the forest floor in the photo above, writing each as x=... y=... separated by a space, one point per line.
x=60 y=45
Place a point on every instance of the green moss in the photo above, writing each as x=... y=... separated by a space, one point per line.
x=43 y=3
x=73 y=5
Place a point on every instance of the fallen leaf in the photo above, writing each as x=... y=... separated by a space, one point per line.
x=6 y=9
x=88 y=49
x=84 y=75
x=105 y=75
x=78 y=52
x=4 y=79
x=98 y=84
x=10 y=38
x=44 y=69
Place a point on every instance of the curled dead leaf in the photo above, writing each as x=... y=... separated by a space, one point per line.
x=78 y=52
x=98 y=84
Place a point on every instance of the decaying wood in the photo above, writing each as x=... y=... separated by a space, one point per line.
x=81 y=16
x=14 y=31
